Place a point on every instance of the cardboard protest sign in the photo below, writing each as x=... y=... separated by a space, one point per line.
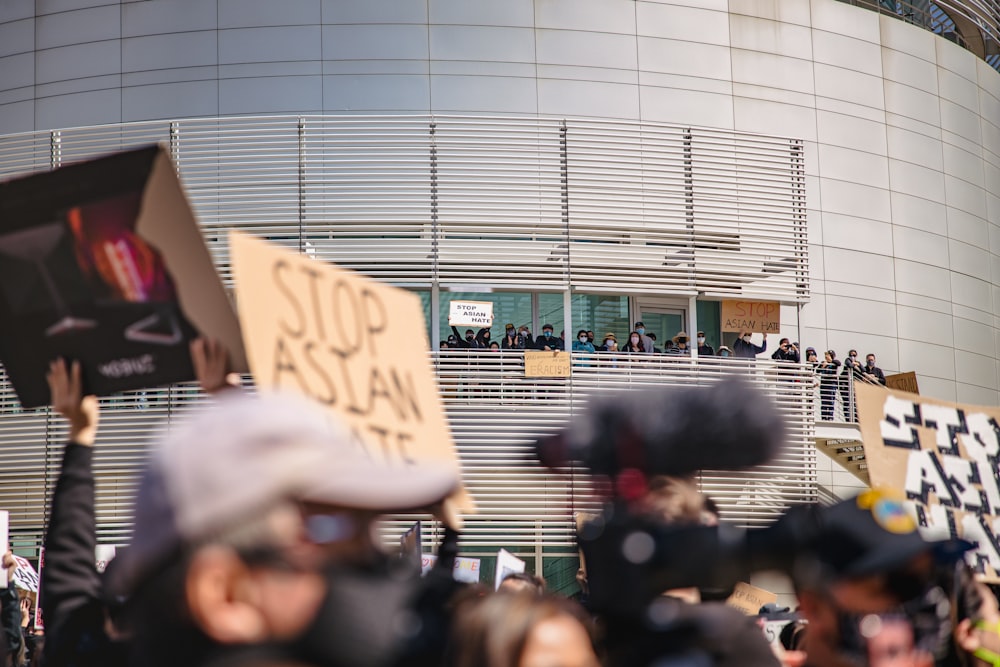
x=102 y=262
x=507 y=563
x=546 y=364
x=903 y=382
x=470 y=314
x=943 y=456
x=354 y=345
x=749 y=599
x=757 y=316
x=25 y=576
x=466 y=569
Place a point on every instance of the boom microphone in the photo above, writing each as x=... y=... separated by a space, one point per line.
x=676 y=431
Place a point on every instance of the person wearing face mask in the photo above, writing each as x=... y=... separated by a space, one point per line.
x=483 y=337
x=547 y=342
x=680 y=345
x=647 y=342
x=469 y=342
x=582 y=342
x=255 y=542
x=511 y=341
x=704 y=349
x=850 y=373
x=634 y=344
x=872 y=373
x=977 y=615
x=724 y=352
x=744 y=348
x=610 y=343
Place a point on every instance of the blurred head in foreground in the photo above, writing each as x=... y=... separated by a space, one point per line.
x=872 y=588
x=241 y=519
x=522 y=629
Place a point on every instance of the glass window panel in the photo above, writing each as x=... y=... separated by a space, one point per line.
x=600 y=313
x=550 y=311
x=708 y=321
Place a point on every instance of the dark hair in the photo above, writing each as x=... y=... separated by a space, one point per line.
x=532 y=582
x=581 y=331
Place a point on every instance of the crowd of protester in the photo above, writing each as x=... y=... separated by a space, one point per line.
x=637 y=341
x=833 y=379
x=255 y=544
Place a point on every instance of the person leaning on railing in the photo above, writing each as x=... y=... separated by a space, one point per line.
x=827 y=371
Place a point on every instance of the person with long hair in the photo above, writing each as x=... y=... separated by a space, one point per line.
x=522 y=630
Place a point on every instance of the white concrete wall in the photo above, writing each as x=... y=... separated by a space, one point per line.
x=902 y=128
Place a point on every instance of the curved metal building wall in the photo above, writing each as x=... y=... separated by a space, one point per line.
x=881 y=142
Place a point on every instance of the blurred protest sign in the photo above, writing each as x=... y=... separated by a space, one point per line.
x=470 y=314
x=466 y=569
x=903 y=382
x=546 y=364
x=507 y=563
x=103 y=262
x=943 y=456
x=749 y=599
x=354 y=345
x=25 y=576
x=103 y=553
x=759 y=316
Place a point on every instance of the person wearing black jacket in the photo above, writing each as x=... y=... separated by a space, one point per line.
x=71 y=592
x=77 y=609
x=786 y=352
x=872 y=373
x=469 y=342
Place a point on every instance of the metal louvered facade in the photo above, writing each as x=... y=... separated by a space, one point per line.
x=529 y=204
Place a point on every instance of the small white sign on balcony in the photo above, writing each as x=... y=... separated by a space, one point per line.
x=471 y=314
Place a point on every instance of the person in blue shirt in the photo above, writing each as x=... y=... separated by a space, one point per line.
x=582 y=342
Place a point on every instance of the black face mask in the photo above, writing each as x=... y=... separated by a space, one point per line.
x=376 y=618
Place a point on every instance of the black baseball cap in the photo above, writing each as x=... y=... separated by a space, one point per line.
x=873 y=533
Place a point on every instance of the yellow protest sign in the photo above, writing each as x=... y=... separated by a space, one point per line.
x=943 y=457
x=546 y=364
x=354 y=345
x=758 y=316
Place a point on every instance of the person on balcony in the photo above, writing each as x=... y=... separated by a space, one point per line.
x=827 y=371
x=510 y=340
x=647 y=342
x=786 y=351
x=547 y=342
x=680 y=345
x=483 y=337
x=652 y=337
x=634 y=344
x=725 y=352
x=582 y=342
x=704 y=349
x=850 y=373
x=610 y=343
x=469 y=342
x=872 y=373
x=744 y=348
x=525 y=338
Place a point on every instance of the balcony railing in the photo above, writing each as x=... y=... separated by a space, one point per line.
x=495 y=413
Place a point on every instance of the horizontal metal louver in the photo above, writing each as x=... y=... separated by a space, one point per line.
x=495 y=414
x=521 y=203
